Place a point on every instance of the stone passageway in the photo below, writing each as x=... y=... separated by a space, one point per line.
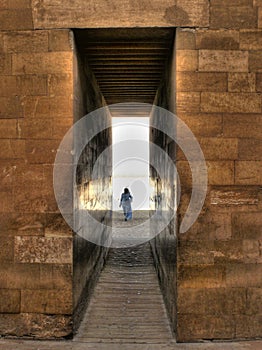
x=127 y=305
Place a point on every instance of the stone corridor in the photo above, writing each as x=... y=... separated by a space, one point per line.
x=127 y=305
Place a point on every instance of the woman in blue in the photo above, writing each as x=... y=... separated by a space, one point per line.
x=125 y=202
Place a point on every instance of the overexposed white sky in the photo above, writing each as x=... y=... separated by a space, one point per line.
x=130 y=139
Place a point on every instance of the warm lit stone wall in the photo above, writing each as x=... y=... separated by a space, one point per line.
x=36 y=244
x=219 y=97
x=219 y=70
x=218 y=94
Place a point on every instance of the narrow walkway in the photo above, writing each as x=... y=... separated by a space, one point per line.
x=127 y=305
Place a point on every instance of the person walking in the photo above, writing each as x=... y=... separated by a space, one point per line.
x=125 y=203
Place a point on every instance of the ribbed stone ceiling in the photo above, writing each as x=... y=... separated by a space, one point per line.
x=128 y=63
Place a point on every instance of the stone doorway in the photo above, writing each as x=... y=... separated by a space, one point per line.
x=117 y=66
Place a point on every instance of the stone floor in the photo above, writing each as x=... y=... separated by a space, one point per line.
x=127 y=305
x=9 y=344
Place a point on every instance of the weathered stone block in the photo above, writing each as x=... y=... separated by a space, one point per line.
x=223 y=61
x=8 y=129
x=57 y=227
x=28 y=177
x=260 y=17
x=219 y=148
x=11 y=107
x=5 y=64
x=248 y=172
x=184 y=172
x=204 y=124
x=205 y=276
x=58 y=276
x=7 y=171
x=95 y=14
x=22 y=224
x=247 y=226
x=10 y=301
x=32 y=85
x=57 y=302
x=43 y=250
x=217 y=39
x=241 y=82
x=186 y=60
x=28 y=41
x=195 y=252
x=230 y=102
x=42 y=63
x=16 y=19
x=220 y=173
x=36 y=326
x=12 y=149
x=233 y=16
x=19 y=276
x=225 y=3
x=185 y=39
x=214 y=301
x=7 y=249
x=211 y=225
x=241 y=125
x=60 y=40
x=248 y=326
x=254 y=301
x=37 y=128
x=15 y=4
x=7 y=86
x=251 y=251
x=214 y=149
x=196 y=81
x=61 y=127
x=33 y=202
x=243 y=275
x=47 y=107
x=188 y=103
x=234 y=196
x=250 y=40
x=1 y=43
x=60 y=84
x=41 y=151
x=259 y=82
x=255 y=61
x=250 y=149
x=226 y=252
x=204 y=327
x=6 y=204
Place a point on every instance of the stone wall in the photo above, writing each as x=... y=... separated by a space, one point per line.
x=36 y=254
x=218 y=72
x=40 y=101
x=219 y=97
x=88 y=258
x=164 y=246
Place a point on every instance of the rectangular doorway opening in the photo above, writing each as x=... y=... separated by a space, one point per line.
x=130 y=161
x=119 y=66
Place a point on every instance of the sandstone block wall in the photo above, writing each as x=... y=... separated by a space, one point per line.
x=36 y=110
x=218 y=94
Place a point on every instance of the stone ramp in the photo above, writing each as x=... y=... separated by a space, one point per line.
x=127 y=304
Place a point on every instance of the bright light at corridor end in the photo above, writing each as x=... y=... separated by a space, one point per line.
x=130 y=139
x=83 y=220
